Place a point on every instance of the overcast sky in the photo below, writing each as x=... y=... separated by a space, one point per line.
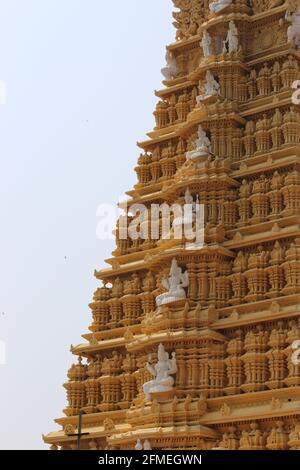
x=80 y=76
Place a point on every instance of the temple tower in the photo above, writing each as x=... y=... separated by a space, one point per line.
x=227 y=135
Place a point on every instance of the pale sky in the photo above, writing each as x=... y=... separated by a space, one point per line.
x=80 y=76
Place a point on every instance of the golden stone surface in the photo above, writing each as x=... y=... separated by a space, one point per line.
x=236 y=386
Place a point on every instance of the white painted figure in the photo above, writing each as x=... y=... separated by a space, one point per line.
x=171 y=70
x=162 y=373
x=293 y=32
x=203 y=146
x=231 y=44
x=211 y=88
x=206 y=44
x=139 y=445
x=218 y=6
x=174 y=285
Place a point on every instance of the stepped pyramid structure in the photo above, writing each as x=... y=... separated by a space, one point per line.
x=192 y=346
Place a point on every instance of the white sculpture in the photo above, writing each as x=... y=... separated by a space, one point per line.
x=211 y=88
x=206 y=44
x=220 y=5
x=162 y=372
x=203 y=146
x=190 y=210
x=140 y=446
x=147 y=445
x=231 y=44
x=171 y=70
x=293 y=32
x=174 y=285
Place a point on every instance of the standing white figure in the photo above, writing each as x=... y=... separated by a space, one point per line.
x=139 y=445
x=162 y=372
x=293 y=31
x=203 y=146
x=211 y=88
x=220 y=5
x=206 y=44
x=147 y=445
x=171 y=70
x=232 y=40
x=189 y=213
x=175 y=285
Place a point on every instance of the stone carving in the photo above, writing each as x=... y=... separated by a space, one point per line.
x=206 y=44
x=293 y=32
x=218 y=6
x=171 y=70
x=203 y=146
x=211 y=88
x=140 y=446
x=231 y=43
x=175 y=285
x=162 y=373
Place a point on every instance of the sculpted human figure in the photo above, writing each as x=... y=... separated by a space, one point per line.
x=218 y=6
x=293 y=31
x=162 y=373
x=211 y=87
x=232 y=41
x=203 y=146
x=206 y=44
x=171 y=70
x=174 y=285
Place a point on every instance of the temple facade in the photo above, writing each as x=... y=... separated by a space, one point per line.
x=193 y=345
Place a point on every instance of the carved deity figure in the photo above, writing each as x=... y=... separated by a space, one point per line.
x=174 y=285
x=171 y=70
x=189 y=212
x=211 y=88
x=206 y=44
x=231 y=44
x=218 y=6
x=293 y=32
x=162 y=373
x=203 y=146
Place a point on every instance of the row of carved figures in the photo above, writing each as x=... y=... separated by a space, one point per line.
x=279 y=437
x=265 y=198
x=261 y=137
x=230 y=85
x=193 y=13
x=250 y=362
x=255 y=275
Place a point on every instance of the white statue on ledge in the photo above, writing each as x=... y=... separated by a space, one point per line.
x=293 y=31
x=206 y=44
x=162 y=372
x=211 y=88
x=190 y=211
x=175 y=285
x=140 y=446
x=171 y=70
x=217 y=6
x=203 y=146
x=231 y=44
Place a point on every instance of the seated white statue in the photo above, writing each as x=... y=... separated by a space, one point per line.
x=203 y=146
x=211 y=88
x=171 y=70
x=293 y=31
x=174 y=285
x=162 y=372
x=231 y=44
x=220 y=5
